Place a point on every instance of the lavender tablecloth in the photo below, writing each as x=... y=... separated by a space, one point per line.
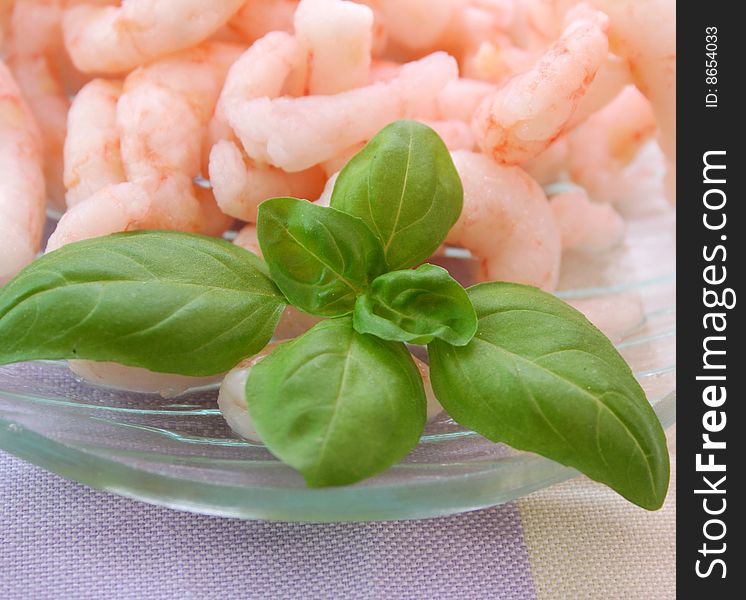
x=59 y=539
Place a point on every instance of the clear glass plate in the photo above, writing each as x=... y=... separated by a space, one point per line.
x=180 y=453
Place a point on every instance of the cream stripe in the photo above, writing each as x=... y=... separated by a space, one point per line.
x=586 y=542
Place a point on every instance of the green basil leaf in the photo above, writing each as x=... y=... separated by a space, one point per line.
x=166 y=301
x=540 y=377
x=417 y=306
x=404 y=185
x=321 y=258
x=337 y=405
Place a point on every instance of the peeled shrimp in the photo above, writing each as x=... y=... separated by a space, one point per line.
x=416 y=24
x=162 y=116
x=337 y=163
x=33 y=47
x=496 y=60
x=325 y=199
x=92 y=156
x=480 y=21
x=297 y=133
x=248 y=240
x=49 y=104
x=536 y=23
x=22 y=199
x=232 y=397
x=506 y=222
x=116 y=39
x=256 y=18
x=611 y=78
x=212 y=220
x=269 y=68
x=384 y=70
x=586 y=225
x=195 y=75
x=134 y=379
x=263 y=70
x=644 y=32
x=552 y=164
x=239 y=187
x=247 y=237
x=338 y=36
x=606 y=143
x=114 y=208
x=526 y=115
x=456 y=135
x=160 y=145
x=6 y=8
x=460 y=98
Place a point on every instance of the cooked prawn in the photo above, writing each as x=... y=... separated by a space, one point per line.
x=33 y=49
x=496 y=61
x=532 y=110
x=232 y=396
x=162 y=117
x=297 y=133
x=456 y=135
x=325 y=198
x=552 y=164
x=611 y=78
x=248 y=240
x=263 y=70
x=459 y=99
x=606 y=143
x=22 y=198
x=257 y=18
x=644 y=33
x=6 y=8
x=338 y=36
x=272 y=66
x=116 y=39
x=115 y=208
x=506 y=222
x=135 y=379
x=586 y=225
x=92 y=155
x=239 y=187
x=45 y=96
x=416 y=25
x=195 y=75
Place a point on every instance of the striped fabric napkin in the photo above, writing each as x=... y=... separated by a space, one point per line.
x=576 y=540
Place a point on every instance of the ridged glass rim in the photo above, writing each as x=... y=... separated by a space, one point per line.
x=416 y=499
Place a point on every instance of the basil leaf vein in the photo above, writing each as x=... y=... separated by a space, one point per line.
x=540 y=377
x=321 y=258
x=337 y=405
x=405 y=187
x=165 y=301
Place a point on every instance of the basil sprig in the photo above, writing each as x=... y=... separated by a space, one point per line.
x=338 y=405
x=345 y=401
x=404 y=185
x=321 y=258
x=540 y=377
x=166 y=301
x=417 y=306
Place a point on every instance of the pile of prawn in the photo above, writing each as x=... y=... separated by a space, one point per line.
x=186 y=114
